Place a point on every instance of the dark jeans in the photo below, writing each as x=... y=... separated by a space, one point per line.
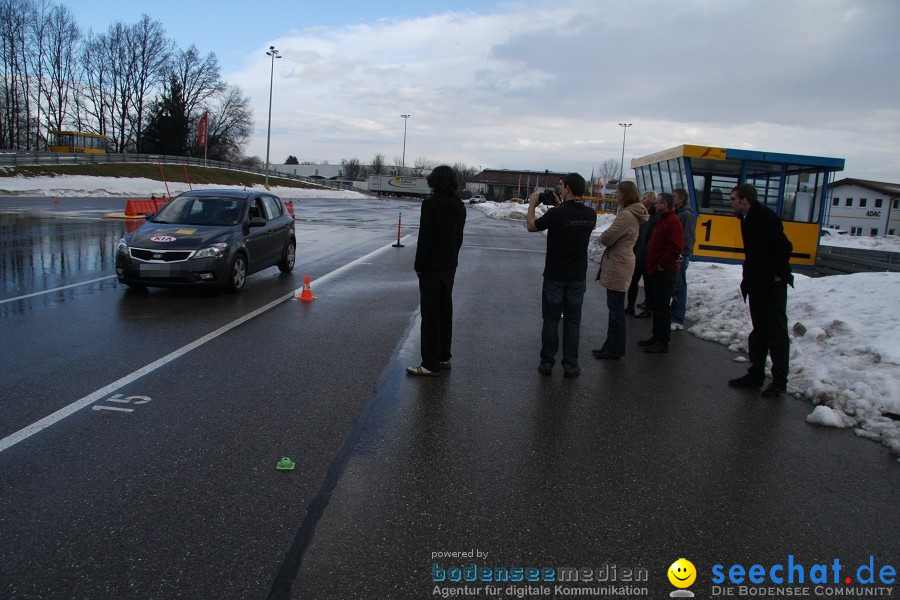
x=768 y=313
x=561 y=297
x=635 y=283
x=661 y=285
x=436 y=301
x=679 y=293
x=615 y=330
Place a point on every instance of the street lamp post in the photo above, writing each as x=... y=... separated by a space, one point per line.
x=624 y=127
x=274 y=54
x=403 y=160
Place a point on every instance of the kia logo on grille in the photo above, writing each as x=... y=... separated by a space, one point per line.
x=157 y=256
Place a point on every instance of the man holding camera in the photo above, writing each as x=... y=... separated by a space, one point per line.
x=569 y=226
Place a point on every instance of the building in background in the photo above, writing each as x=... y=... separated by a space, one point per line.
x=862 y=207
x=795 y=186
x=500 y=185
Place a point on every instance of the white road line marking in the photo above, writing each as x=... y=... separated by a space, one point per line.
x=115 y=408
x=67 y=411
x=65 y=287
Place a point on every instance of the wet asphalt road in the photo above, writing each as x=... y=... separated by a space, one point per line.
x=634 y=464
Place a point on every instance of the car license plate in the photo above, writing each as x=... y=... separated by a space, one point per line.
x=155 y=270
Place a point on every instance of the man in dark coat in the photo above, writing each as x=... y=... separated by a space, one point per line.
x=767 y=273
x=437 y=252
x=662 y=264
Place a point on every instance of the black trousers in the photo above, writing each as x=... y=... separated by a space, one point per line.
x=436 y=306
x=661 y=284
x=768 y=313
x=635 y=282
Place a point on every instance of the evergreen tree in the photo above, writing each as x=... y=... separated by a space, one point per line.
x=292 y=160
x=168 y=126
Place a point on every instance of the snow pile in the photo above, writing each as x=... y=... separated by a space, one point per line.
x=84 y=185
x=845 y=353
x=887 y=243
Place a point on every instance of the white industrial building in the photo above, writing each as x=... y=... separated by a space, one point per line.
x=866 y=208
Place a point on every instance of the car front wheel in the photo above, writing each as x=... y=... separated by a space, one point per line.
x=237 y=274
x=287 y=260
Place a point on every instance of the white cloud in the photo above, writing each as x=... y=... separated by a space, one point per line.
x=517 y=87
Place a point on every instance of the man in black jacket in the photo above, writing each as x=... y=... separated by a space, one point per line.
x=569 y=228
x=767 y=273
x=440 y=238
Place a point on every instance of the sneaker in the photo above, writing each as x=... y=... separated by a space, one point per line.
x=642 y=305
x=573 y=372
x=774 y=390
x=677 y=327
x=746 y=381
x=545 y=369
x=648 y=342
x=643 y=315
x=445 y=365
x=604 y=355
x=421 y=371
x=629 y=310
x=657 y=348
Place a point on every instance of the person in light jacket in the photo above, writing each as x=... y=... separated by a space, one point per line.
x=617 y=265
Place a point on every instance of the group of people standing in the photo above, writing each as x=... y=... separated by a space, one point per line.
x=651 y=238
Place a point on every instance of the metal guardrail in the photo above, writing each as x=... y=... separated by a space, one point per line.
x=29 y=159
x=835 y=260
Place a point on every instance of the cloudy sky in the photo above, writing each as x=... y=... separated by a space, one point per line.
x=543 y=84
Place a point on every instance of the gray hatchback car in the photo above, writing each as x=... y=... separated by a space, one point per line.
x=208 y=238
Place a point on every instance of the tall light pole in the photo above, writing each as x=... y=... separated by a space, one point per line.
x=274 y=54
x=624 y=127
x=403 y=160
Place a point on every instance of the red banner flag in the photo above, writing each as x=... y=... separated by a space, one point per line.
x=201 y=130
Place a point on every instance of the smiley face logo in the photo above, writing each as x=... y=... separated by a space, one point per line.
x=682 y=573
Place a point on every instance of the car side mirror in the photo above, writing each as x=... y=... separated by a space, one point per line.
x=257 y=222
x=149 y=216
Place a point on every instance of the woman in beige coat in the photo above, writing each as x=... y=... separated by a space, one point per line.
x=617 y=265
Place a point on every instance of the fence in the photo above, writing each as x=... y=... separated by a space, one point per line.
x=23 y=159
x=834 y=260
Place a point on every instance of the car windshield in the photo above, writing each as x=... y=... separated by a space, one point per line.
x=201 y=210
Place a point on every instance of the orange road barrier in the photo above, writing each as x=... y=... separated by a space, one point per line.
x=289 y=205
x=140 y=207
x=306 y=294
x=55 y=200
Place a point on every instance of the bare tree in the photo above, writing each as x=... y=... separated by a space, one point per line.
x=117 y=94
x=421 y=165
x=38 y=24
x=377 y=167
x=608 y=170
x=352 y=169
x=230 y=124
x=150 y=50
x=14 y=18
x=199 y=76
x=465 y=173
x=60 y=64
x=92 y=111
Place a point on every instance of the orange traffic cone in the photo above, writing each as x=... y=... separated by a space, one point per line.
x=55 y=200
x=306 y=294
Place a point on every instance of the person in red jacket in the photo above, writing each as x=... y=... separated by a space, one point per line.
x=662 y=265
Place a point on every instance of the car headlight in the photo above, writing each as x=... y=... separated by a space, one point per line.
x=214 y=251
x=122 y=246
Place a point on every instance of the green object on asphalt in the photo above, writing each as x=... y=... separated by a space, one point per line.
x=285 y=464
